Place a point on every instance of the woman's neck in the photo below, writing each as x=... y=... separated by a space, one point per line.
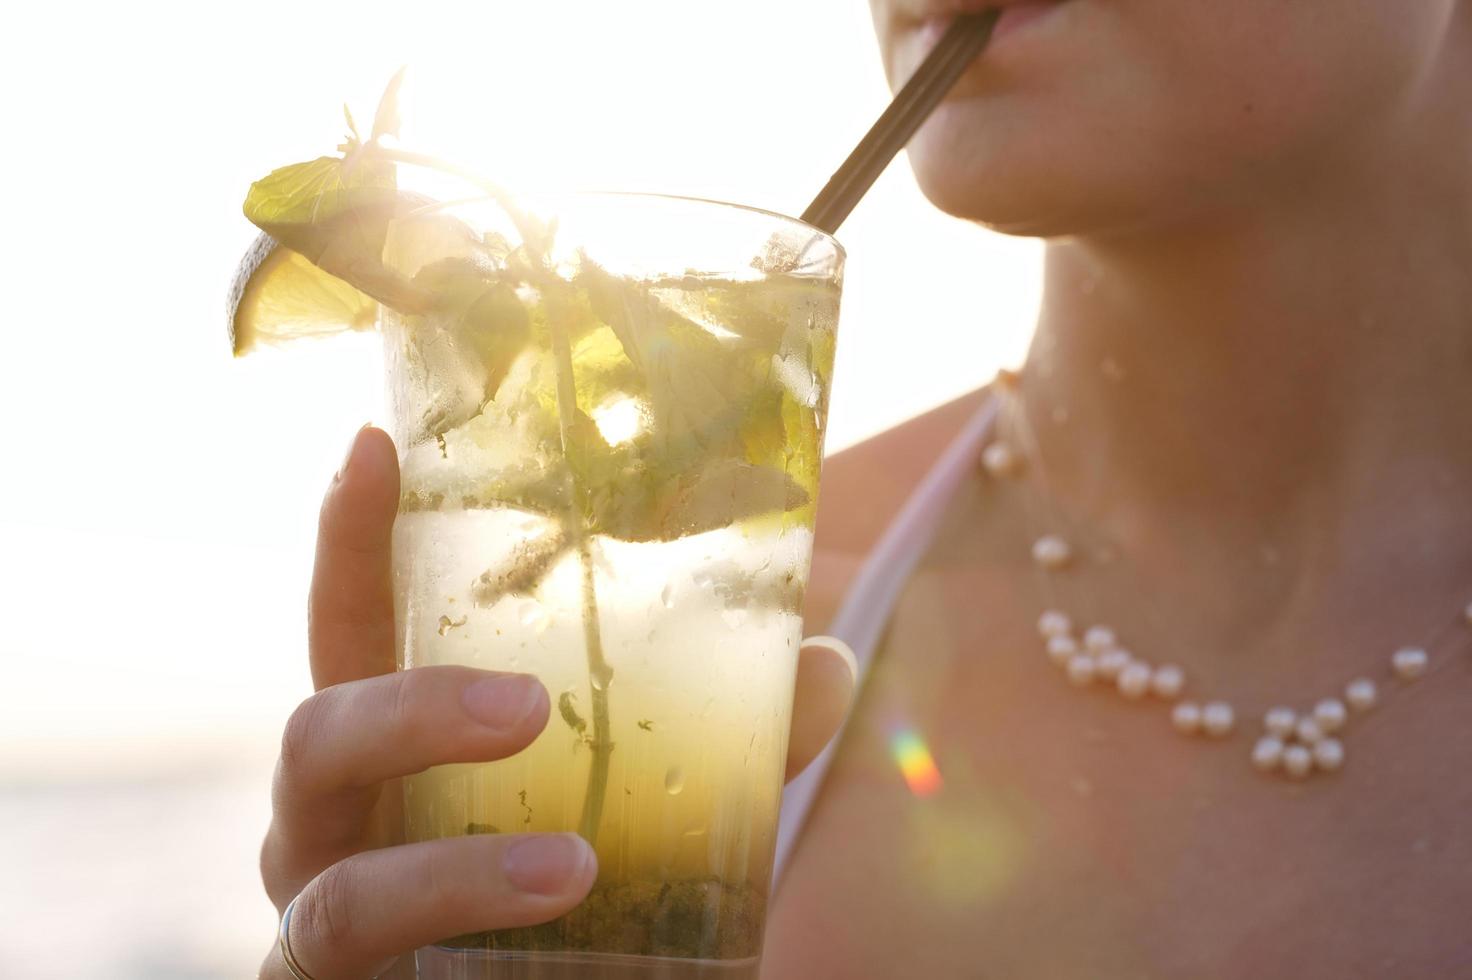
x=1273 y=380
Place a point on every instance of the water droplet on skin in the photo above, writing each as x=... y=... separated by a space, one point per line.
x=674 y=780
x=668 y=596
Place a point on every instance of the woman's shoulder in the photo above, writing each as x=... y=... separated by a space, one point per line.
x=863 y=488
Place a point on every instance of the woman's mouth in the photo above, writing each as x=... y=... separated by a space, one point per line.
x=1016 y=16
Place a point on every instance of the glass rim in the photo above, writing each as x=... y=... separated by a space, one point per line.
x=694 y=199
x=814 y=230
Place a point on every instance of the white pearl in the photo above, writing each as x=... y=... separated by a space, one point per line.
x=1000 y=459
x=1168 y=681
x=1051 y=552
x=1098 y=639
x=1329 y=754
x=1308 y=730
x=1297 y=761
x=1081 y=670
x=1134 y=680
x=1267 y=753
x=1062 y=649
x=1186 y=717
x=1280 y=721
x=1331 y=714
x=1360 y=694
x=1054 y=622
x=1409 y=663
x=1217 y=718
x=1113 y=662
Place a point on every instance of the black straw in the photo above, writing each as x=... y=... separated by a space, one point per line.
x=960 y=44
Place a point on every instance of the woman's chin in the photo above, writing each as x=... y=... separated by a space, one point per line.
x=1025 y=187
x=993 y=193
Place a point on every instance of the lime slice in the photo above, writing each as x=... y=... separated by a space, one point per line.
x=279 y=296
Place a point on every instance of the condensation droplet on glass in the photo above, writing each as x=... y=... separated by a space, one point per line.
x=674 y=780
x=668 y=596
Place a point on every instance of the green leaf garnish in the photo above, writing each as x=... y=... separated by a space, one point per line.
x=386 y=120
x=522 y=570
x=338 y=217
x=482 y=310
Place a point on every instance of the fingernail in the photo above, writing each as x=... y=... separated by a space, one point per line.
x=504 y=701
x=347 y=460
x=545 y=864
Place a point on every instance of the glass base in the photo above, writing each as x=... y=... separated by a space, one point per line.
x=442 y=963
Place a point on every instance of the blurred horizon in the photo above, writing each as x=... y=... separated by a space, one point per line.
x=159 y=518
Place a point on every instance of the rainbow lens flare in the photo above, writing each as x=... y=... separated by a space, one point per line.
x=915 y=762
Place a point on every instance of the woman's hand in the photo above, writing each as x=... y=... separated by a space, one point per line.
x=364 y=898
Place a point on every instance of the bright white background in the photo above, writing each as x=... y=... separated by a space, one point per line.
x=158 y=498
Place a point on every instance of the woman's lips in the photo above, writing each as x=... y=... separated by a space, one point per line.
x=1017 y=15
x=1014 y=17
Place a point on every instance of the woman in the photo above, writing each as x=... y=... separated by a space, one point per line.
x=1242 y=426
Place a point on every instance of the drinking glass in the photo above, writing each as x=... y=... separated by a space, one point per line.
x=609 y=411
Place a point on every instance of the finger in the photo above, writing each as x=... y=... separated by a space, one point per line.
x=350 y=612
x=826 y=669
x=344 y=741
x=355 y=917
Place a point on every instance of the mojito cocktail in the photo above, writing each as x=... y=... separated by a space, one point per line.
x=610 y=465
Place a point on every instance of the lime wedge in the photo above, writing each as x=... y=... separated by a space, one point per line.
x=279 y=296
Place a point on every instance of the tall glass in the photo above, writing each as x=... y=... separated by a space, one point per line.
x=610 y=453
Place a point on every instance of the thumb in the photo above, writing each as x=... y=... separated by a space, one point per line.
x=826 y=670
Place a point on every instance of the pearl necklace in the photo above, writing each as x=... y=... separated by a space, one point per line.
x=1295 y=744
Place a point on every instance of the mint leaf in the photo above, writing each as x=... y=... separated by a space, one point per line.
x=484 y=313
x=353 y=137
x=319 y=191
x=659 y=506
x=386 y=120
x=698 y=391
x=337 y=218
x=522 y=570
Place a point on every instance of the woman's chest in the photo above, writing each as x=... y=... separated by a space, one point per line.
x=985 y=819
